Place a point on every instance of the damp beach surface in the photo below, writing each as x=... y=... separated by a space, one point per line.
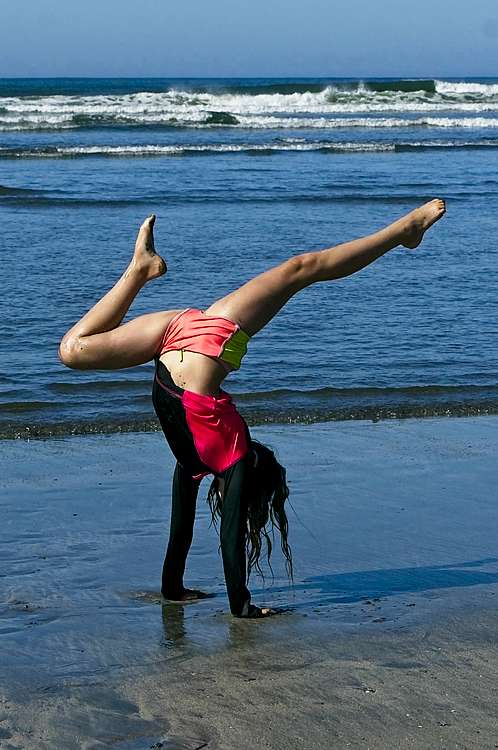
x=389 y=635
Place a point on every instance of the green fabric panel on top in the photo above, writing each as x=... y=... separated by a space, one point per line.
x=235 y=348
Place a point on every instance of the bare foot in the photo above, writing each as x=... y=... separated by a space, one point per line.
x=268 y=612
x=417 y=222
x=251 y=612
x=145 y=258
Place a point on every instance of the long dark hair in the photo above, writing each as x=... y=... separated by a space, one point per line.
x=267 y=492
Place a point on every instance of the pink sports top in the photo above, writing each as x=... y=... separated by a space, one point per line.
x=194 y=331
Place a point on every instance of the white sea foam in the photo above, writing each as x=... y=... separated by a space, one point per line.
x=31 y=122
x=200 y=109
x=288 y=144
x=457 y=122
x=178 y=150
x=457 y=88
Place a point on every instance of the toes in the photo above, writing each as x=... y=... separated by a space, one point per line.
x=441 y=208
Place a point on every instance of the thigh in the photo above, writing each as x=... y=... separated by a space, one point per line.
x=255 y=303
x=131 y=344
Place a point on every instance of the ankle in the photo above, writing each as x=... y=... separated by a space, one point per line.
x=394 y=235
x=137 y=273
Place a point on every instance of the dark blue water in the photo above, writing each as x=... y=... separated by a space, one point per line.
x=241 y=174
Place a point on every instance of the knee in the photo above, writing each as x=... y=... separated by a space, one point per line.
x=301 y=269
x=70 y=352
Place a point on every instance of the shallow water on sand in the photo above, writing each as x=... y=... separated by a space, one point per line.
x=85 y=525
x=393 y=529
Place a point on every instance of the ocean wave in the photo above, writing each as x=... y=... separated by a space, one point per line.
x=207 y=149
x=37 y=430
x=185 y=108
x=36 y=88
x=459 y=88
x=247 y=122
x=6 y=191
x=48 y=201
x=285 y=406
x=180 y=150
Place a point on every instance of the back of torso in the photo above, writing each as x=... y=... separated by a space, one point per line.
x=195 y=372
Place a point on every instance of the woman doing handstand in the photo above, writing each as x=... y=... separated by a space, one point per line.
x=194 y=352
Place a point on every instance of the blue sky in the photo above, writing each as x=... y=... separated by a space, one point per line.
x=249 y=37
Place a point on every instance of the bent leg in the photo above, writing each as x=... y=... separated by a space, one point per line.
x=128 y=345
x=184 y=496
x=91 y=343
x=254 y=304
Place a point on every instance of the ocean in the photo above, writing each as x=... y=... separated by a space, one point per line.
x=243 y=173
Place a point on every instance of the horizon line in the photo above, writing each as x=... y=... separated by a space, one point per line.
x=431 y=77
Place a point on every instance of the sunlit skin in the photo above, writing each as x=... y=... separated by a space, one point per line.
x=100 y=341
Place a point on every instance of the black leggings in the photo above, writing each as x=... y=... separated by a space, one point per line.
x=166 y=397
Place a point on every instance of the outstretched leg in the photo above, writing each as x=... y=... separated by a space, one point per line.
x=254 y=304
x=98 y=340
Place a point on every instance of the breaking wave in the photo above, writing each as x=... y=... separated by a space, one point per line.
x=206 y=149
x=254 y=105
x=283 y=406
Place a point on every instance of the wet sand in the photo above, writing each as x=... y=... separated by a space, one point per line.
x=389 y=640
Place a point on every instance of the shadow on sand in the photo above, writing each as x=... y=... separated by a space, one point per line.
x=350 y=588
